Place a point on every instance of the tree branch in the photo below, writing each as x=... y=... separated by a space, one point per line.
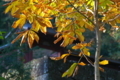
x=114 y=18
x=5 y=46
x=98 y=42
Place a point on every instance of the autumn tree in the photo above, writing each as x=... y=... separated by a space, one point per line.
x=73 y=18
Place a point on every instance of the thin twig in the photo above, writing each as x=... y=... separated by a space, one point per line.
x=114 y=18
x=88 y=60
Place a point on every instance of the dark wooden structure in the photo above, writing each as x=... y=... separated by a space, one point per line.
x=46 y=41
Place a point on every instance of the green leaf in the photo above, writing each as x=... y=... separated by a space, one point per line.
x=1 y=78
x=90 y=2
x=1 y=37
x=70 y=71
x=104 y=3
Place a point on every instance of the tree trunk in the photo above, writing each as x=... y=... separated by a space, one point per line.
x=98 y=46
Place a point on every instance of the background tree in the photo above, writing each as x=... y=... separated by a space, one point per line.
x=11 y=67
x=73 y=18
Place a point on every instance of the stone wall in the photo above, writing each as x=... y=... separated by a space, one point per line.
x=44 y=68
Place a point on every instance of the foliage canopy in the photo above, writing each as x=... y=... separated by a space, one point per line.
x=73 y=18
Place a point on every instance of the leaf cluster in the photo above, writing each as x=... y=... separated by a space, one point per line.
x=72 y=19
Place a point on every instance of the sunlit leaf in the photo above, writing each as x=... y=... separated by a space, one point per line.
x=36 y=37
x=30 y=40
x=81 y=30
x=65 y=42
x=43 y=30
x=18 y=37
x=21 y=24
x=82 y=64
x=58 y=39
x=24 y=36
x=30 y=18
x=65 y=55
x=48 y=23
x=104 y=62
x=35 y=1
x=71 y=37
x=80 y=36
x=86 y=51
x=16 y=23
x=8 y=8
x=79 y=46
x=14 y=9
x=38 y=11
x=36 y=26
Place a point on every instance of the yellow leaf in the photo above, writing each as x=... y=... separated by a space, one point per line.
x=89 y=26
x=16 y=23
x=30 y=2
x=38 y=11
x=65 y=55
x=42 y=22
x=36 y=26
x=23 y=21
x=48 y=23
x=55 y=58
x=33 y=8
x=58 y=39
x=30 y=40
x=23 y=1
x=35 y=1
x=14 y=9
x=80 y=36
x=18 y=37
x=71 y=37
x=65 y=42
x=104 y=62
x=88 y=54
x=42 y=14
x=34 y=36
x=22 y=16
x=82 y=64
x=71 y=41
x=79 y=46
x=30 y=19
x=8 y=8
x=43 y=30
x=81 y=23
x=86 y=51
x=24 y=36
